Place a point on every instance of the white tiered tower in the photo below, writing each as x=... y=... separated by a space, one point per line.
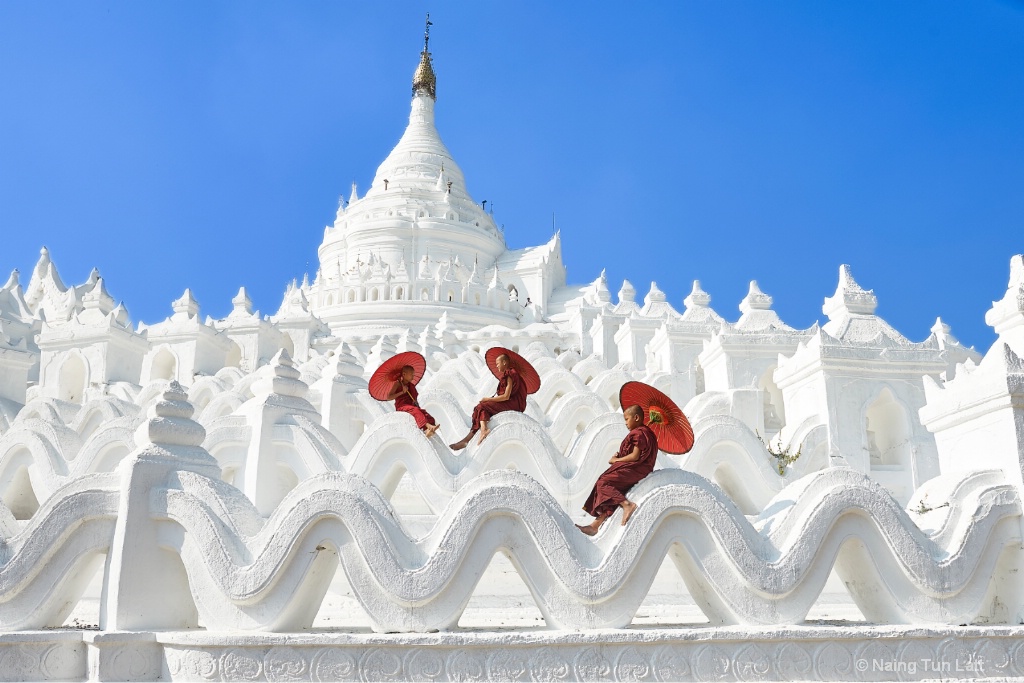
x=417 y=245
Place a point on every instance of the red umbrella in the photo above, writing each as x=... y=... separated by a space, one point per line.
x=387 y=374
x=521 y=365
x=662 y=415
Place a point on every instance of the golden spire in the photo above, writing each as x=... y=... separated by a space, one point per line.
x=424 y=78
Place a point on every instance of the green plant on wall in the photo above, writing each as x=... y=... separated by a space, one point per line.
x=783 y=457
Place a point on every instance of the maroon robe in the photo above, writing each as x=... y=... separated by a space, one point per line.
x=516 y=400
x=612 y=486
x=409 y=403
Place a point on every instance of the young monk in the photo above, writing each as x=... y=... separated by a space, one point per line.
x=407 y=401
x=634 y=461
x=511 y=395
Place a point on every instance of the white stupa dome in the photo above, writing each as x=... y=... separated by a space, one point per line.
x=417 y=245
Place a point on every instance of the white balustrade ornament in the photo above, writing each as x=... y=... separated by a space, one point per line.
x=222 y=499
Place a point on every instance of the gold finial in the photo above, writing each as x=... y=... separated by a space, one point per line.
x=424 y=78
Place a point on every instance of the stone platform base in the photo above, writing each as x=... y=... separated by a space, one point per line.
x=808 y=652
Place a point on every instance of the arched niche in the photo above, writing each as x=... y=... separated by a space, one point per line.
x=73 y=379
x=234 y=357
x=772 y=403
x=698 y=379
x=164 y=365
x=887 y=432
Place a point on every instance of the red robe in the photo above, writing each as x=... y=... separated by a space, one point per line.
x=409 y=403
x=516 y=400
x=612 y=486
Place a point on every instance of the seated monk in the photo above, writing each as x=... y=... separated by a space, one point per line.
x=511 y=395
x=634 y=461
x=407 y=401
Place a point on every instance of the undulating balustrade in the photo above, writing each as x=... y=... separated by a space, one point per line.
x=166 y=494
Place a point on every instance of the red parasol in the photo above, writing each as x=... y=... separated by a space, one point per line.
x=384 y=377
x=521 y=365
x=662 y=415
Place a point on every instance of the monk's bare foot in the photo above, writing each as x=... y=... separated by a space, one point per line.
x=595 y=526
x=431 y=430
x=484 y=432
x=628 y=509
x=459 y=445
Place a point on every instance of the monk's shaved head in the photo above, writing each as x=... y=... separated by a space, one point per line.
x=505 y=358
x=634 y=411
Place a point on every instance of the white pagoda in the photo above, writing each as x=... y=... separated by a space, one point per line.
x=221 y=499
x=417 y=245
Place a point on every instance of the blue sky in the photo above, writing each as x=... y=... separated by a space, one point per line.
x=205 y=145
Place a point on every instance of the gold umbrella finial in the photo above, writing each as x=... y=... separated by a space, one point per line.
x=424 y=80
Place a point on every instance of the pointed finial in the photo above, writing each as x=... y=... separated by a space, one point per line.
x=943 y=333
x=280 y=377
x=345 y=365
x=241 y=304
x=98 y=296
x=755 y=300
x=496 y=282
x=627 y=292
x=600 y=285
x=1007 y=314
x=186 y=305
x=170 y=421
x=12 y=282
x=655 y=295
x=850 y=297
x=120 y=315
x=43 y=263
x=697 y=298
x=424 y=80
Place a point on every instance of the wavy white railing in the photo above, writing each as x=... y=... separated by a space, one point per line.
x=248 y=572
x=268 y=566
x=45 y=567
x=737 y=574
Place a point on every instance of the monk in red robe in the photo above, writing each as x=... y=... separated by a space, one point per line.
x=407 y=401
x=634 y=461
x=511 y=395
